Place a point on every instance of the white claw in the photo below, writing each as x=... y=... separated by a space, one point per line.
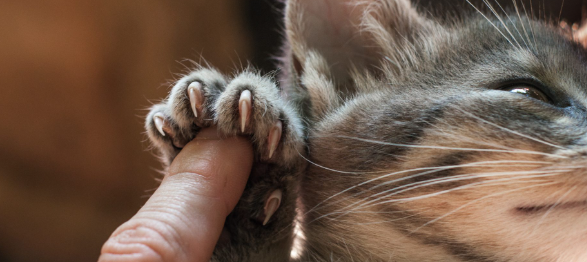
x=244 y=107
x=274 y=137
x=195 y=94
x=159 y=120
x=272 y=204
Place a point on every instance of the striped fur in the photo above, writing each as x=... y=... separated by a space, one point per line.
x=416 y=150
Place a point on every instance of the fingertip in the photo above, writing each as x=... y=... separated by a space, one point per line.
x=112 y=251
x=221 y=166
x=184 y=218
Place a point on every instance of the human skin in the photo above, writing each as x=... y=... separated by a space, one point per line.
x=183 y=219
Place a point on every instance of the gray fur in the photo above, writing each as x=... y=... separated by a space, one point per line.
x=417 y=151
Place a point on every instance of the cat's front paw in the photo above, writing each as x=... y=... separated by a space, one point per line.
x=248 y=105
x=189 y=108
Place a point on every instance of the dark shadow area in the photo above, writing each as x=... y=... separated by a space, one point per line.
x=264 y=19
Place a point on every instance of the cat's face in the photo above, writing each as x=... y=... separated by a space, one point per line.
x=460 y=143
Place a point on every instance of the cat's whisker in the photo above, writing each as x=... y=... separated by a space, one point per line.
x=531 y=27
x=460 y=178
x=509 y=130
x=478 y=142
x=335 y=170
x=341 y=218
x=514 y=25
x=316 y=207
x=386 y=221
x=474 y=140
x=522 y=22
x=561 y=11
x=477 y=200
x=347 y=250
x=533 y=38
x=523 y=179
x=488 y=20
x=375 y=212
x=508 y=181
x=319 y=205
x=449 y=179
x=456 y=148
x=497 y=145
x=502 y=22
x=416 y=185
x=427 y=170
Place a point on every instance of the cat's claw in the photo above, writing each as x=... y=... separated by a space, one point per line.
x=196 y=97
x=274 y=137
x=272 y=204
x=159 y=120
x=248 y=104
x=244 y=107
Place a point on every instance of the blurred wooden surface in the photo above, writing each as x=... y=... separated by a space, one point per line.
x=76 y=78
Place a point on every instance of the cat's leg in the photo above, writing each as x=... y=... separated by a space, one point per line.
x=260 y=227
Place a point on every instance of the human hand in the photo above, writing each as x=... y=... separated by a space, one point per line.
x=184 y=218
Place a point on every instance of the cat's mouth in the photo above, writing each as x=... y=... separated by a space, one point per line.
x=537 y=209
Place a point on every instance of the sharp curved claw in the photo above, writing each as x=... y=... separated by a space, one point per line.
x=159 y=120
x=274 y=137
x=244 y=106
x=272 y=204
x=195 y=95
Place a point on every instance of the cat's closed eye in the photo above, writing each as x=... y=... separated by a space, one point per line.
x=527 y=90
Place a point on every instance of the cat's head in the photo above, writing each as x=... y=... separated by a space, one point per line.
x=438 y=141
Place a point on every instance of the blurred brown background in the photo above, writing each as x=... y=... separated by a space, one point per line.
x=75 y=80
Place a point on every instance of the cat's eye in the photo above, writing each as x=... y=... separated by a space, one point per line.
x=528 y=91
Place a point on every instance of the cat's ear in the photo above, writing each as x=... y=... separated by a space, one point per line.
x=351 y=33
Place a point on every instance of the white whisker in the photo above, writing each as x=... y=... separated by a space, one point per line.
x=492 y=24
x=337 y=171
x=561 y=11
x=529 y=23
x=522 y=22
x=508 y=181
x=502 y=22
x=386 y=221
x=461 y=178
x=455 y=148
x=427 y=170
x=531 y=27
x=439 y=181
x=514 y=24
x=510 y=131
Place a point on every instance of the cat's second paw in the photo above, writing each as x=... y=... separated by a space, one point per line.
x=248 y=105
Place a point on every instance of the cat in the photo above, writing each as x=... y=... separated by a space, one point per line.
x=397 y=136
